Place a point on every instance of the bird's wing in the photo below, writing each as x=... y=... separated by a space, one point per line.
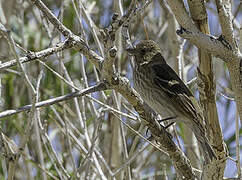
x=167 y=79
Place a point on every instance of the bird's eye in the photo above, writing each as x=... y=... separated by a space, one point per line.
x=143 y=51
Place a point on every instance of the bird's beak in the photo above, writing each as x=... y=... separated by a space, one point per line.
x=131 y=51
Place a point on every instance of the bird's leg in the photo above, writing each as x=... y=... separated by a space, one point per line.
x=162 y=120
x=166 y=119
x=147 y=132
x=169 y=125
x=151 y=137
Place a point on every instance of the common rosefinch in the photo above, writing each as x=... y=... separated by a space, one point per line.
x=162 y=89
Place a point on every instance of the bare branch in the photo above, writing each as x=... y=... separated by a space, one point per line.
x=37 y=55
x=181 y=15
x=99 y=87
x=225 y=18
x=216 y=46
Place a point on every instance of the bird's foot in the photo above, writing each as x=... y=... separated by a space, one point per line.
x=166 y=119
x=166 y=127
x=162 y=120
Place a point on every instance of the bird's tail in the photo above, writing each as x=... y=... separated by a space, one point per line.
x=200 y=134
x=207 y=150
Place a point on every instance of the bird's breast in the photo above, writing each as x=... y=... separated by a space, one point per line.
x=152 y=95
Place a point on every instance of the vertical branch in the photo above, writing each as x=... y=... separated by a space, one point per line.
x=116 y=96
x=207 y=89
x=94 y=33
x=207 y=86
x=36 y=128
x=67 y=144
x=225 y=18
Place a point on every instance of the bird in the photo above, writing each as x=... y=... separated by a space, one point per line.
x=162 y=89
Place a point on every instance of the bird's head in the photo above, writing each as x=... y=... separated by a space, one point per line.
x=144 y=51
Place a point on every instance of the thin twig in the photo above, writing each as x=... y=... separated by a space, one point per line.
x=99 y=87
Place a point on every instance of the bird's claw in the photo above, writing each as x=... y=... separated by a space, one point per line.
x=161 y=120
x=166 y=119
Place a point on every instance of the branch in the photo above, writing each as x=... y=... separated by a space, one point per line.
x=37 y=55
x=181 y=15
x=216 y=46
x=225 y=18
x=92 y=56
x=51 y=17
x=98 y=87
x=12 y=46
x=219 y=47
x=73 y=40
